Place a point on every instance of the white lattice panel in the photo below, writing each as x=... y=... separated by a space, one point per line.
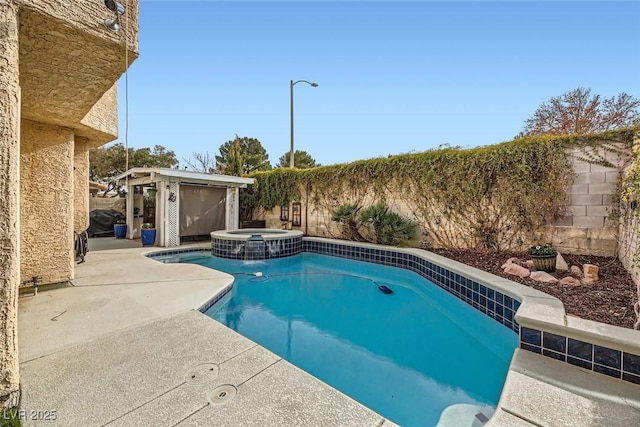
x=172 y=203
x=232 y=205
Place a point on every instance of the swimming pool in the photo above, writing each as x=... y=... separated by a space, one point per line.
x=407 y=355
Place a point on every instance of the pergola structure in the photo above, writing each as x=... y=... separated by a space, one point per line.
x=182 y=205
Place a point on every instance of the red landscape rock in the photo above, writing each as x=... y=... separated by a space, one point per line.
x=510 y=261
x=576 y=271
x=609 y=300
x=569 y=280
x=542 y=276
x=516 y=270
x=590 y=273
x=561 y=264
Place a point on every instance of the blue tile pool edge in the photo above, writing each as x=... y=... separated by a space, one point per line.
x=544 y=329
x=502 y=299
x=492 y=303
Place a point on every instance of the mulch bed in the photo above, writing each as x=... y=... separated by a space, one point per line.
x=609 y=300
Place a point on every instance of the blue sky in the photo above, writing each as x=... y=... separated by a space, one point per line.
x=394 y=77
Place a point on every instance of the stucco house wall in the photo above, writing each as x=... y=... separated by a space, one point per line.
x=46 y=202
x=80 y=178
x=59 y=67
x=10 y=196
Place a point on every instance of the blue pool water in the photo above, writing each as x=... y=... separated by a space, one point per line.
x=407 y=355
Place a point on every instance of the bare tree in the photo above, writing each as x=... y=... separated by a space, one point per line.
x=202 y=162
x=578 y=111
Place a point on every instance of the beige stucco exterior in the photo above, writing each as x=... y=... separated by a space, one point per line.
x=9 y=194
x=80 y=179
x=46 y=202
x=59 y=67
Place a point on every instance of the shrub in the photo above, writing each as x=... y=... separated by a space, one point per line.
x=347 y=215
x=389 y=227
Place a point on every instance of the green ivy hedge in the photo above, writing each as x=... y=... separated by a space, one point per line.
x=491 y=197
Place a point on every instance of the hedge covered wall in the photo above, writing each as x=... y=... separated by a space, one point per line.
x=496 y=197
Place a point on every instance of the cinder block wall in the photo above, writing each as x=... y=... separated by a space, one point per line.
x=587 y=228
x=592 y=191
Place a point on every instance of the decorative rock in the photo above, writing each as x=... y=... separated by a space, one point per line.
x=529 y=264
x=544 y=277
x=517 y=270
x=510 y=261
x=590 y=273
x=561 y=264
x=569 y=280
x=576 y=271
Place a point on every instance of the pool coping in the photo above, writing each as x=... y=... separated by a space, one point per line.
x=275 y=234
x=537 y=311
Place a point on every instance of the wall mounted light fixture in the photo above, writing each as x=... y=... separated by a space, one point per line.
x=112 y=25
x=115 y=7
x=118 y=9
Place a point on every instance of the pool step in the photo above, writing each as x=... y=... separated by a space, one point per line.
x=465 y=415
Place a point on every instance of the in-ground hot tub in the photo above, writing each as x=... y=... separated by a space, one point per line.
x=256 y=243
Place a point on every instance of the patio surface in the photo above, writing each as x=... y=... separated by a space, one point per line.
x=125 y=345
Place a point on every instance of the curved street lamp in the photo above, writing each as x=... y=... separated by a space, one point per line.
x=291 y=161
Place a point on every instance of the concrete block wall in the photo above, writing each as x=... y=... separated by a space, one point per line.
x=591 y=194
x=586 y=229
x=601 y=241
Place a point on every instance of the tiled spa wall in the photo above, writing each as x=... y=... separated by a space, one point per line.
x=252 y=250
x=498 y=306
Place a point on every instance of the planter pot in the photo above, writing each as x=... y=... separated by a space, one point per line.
x=120 y=231
x=545 y=262
x=152 y=192
x=148 y=236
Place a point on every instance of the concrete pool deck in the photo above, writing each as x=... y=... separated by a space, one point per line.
x=125 y=346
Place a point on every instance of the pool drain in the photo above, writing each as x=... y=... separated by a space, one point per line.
x=201 y=373
x=222 y=394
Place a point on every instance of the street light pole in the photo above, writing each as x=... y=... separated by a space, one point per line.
x=292 y=84
x=291 y=162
